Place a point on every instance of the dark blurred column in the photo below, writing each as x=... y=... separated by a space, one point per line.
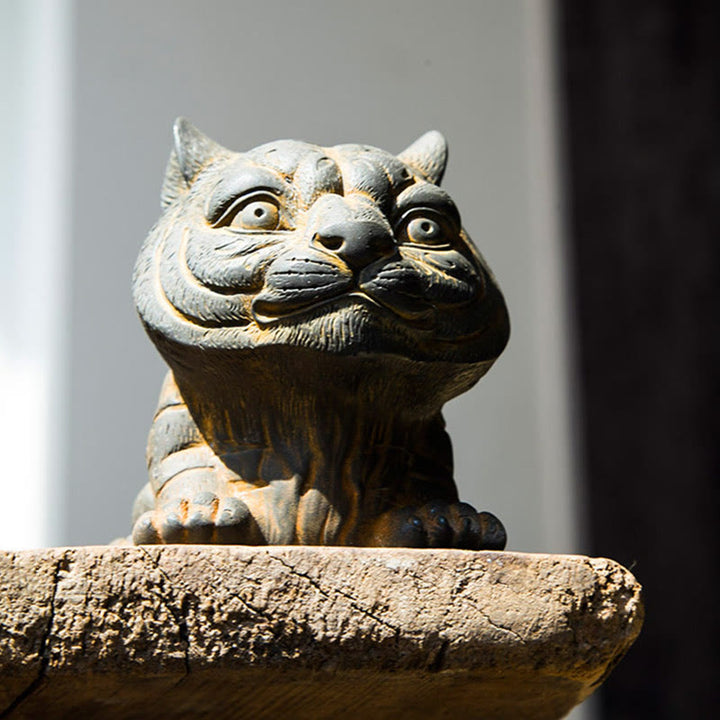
x=642 y=119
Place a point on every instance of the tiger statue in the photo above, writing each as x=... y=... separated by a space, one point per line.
x=316 y=306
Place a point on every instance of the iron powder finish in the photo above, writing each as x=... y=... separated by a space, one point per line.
x=317 y=307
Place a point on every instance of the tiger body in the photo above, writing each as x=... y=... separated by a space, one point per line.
x=317 y=307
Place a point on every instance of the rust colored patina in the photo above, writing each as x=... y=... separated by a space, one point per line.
x=317 y=307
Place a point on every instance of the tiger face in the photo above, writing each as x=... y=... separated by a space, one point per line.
x=347 y=250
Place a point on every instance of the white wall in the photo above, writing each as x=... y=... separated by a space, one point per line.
x=35 y=146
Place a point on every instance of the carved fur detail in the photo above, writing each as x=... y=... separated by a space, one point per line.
x=317 y=307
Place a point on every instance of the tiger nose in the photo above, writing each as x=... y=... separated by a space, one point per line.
x=357 y=242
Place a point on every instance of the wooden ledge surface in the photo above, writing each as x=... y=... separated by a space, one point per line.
x=305 y=632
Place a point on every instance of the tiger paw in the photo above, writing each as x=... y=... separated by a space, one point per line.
x=203 y=518
x=441 y=525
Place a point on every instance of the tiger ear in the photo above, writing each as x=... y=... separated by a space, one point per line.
x=192 y=151
x=428 y=155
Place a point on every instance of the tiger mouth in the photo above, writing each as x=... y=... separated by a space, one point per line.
x=268 y=310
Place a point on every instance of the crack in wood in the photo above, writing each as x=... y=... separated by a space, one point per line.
x=62 y=565
x=354 y=603
x=177 y=615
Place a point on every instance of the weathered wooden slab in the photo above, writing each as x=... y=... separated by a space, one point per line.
x=305 y=632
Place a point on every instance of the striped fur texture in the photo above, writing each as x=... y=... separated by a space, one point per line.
x=317 y=307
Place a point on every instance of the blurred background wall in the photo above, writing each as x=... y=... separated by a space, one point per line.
x=584 y=162
x=35 y=204
x=327 y=72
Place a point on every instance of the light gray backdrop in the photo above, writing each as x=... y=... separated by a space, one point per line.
x=376 y=72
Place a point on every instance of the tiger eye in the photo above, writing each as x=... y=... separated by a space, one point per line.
x=424 y=230
x=257 y=215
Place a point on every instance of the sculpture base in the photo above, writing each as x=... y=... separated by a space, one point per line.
x=307 y=632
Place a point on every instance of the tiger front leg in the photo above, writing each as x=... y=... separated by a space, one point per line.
x=197 y=506
x=439 y=525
